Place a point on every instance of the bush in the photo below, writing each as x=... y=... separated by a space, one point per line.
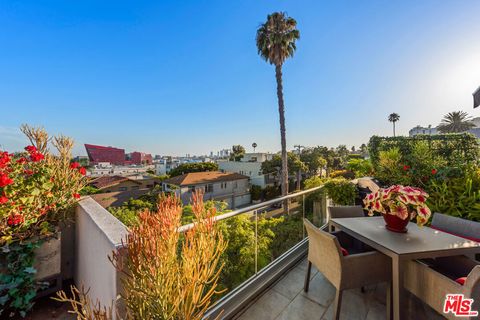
x=360 y=167
x=456 y=149
x=343 y=174
x=193 y=167
x=341 y=191
x=256 y=192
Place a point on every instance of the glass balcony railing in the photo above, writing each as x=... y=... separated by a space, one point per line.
x=263 y=236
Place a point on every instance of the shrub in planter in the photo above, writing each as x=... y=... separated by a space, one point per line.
x=36 y=189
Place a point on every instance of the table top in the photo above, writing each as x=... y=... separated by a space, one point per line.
x=417 y=240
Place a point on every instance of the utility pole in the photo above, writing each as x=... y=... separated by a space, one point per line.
x=299 y=172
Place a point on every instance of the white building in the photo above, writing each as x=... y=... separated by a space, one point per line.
x=250 y=165
x=433 y=130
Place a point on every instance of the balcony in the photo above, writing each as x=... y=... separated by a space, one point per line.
x=271 y=290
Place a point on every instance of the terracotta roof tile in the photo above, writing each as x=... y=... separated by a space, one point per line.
x=194 y=178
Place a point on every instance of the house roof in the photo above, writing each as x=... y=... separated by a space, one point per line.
x=194 y=178
x=108 y=181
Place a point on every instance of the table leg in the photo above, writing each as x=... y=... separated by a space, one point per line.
x=397 y=284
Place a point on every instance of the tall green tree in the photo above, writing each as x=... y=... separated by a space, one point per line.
x=275 y=43
x=454 y=122
x=238 y=152
x=393 y=118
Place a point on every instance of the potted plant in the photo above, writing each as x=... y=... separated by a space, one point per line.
x=36 y=190
x=398 y=205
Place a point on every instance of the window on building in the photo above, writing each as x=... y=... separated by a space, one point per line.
x=122 y=188
x=135 y=187
x=208 y=188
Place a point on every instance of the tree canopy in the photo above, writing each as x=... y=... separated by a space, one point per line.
x=193 y=167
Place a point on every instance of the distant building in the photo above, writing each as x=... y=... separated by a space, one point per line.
x=140 y=158
x=97 y=154
x=106 y=169
x=233 y=188
x=434 y=130
x=422 y=130
x=250 y=165
x=83 y=160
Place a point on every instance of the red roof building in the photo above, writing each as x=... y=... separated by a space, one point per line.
x=98 y=154
x=140 y=158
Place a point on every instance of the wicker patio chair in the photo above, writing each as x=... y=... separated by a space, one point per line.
x=344 y=271
x=432 y=284
x=344 y=212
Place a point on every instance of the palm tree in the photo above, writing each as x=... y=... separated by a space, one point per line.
x=275 y=43
x=393 y=117
x=457 y=121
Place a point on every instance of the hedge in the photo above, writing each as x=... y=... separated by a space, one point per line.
x=455 y=148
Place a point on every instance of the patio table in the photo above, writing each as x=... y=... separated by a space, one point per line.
x=417 y=243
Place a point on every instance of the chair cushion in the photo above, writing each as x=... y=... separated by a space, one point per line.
x=344 y=251
x=456 y=234
x=461 y=280
x=459 y=227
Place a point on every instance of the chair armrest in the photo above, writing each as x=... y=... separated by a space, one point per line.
x=473 y=278
x=366 y=268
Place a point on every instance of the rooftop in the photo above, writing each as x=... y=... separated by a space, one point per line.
x=204 y=177
x=108 y=181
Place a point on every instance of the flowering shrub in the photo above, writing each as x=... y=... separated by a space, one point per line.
x=36 y=186
x=403 y=202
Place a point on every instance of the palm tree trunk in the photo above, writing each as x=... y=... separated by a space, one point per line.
x=394 y=128
x=281 y=112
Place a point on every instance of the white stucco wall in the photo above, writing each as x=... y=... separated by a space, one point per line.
x=97 y=235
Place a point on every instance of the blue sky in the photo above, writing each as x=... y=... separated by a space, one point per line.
x=177 y=77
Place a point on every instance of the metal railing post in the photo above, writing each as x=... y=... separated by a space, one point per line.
x=303 y=215
x=256 y=240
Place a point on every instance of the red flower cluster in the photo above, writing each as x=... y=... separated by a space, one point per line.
x=5 y=180
x=15 y=219
x=35 y=156
x=434 y=171
x=76 y=195
x=3 y=199
x=76 y=165
x=406 y=168
x=4 y=159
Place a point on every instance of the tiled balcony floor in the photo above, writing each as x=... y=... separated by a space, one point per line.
x=287 y=300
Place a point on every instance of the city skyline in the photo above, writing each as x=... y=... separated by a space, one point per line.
x=124 y=75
